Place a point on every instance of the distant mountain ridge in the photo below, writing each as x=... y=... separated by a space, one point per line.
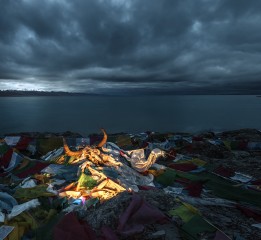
x=18 y=93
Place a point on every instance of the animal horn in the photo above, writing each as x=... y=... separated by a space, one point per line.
x=104 y=140
x=69 y=152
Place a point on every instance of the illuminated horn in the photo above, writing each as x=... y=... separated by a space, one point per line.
x=69 y=152
x=104 y=140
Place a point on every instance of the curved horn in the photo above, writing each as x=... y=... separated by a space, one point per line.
x=104 y=140
x=69 y=152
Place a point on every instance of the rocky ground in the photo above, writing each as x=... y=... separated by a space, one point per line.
x=229 y=219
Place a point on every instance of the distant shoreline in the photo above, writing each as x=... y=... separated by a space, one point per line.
x=12 y=93
x=19 y=93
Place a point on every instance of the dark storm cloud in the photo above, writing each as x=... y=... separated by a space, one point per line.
x=185 y=46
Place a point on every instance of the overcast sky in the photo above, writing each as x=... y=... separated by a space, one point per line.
x=131 y=46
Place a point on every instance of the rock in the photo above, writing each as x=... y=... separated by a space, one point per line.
x=158 y=235
x=241 y=154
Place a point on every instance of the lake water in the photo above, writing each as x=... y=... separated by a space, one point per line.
x=88 y=114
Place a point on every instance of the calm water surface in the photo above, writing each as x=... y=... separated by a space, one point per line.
x=129 y=114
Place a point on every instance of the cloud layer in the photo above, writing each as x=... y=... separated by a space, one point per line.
x=131 y=46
